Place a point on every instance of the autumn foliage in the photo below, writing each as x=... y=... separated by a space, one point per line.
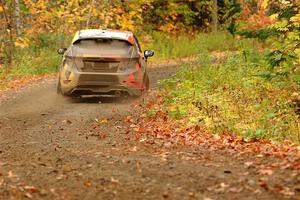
x=254 y=16
x=25 y=20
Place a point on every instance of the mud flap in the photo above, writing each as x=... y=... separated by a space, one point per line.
x=146 y=83
x=58 y=87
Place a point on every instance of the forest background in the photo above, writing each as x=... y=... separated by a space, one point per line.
x=244 y=79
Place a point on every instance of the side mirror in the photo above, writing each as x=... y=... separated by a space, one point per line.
x=61 y=51
x=148 y=53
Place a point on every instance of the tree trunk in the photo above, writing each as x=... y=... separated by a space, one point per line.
x=214 y=16
x=9 y=44
x=17 y=17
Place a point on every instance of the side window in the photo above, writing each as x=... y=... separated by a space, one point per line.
x=137 y=44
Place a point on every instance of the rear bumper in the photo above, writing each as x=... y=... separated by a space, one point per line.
x=82 y=83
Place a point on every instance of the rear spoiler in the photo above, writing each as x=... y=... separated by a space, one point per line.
x=113 y=38
x=104 y=35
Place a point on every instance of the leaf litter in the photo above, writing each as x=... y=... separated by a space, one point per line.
x=161 y=129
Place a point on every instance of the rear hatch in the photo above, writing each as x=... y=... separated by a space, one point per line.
x=102 y=55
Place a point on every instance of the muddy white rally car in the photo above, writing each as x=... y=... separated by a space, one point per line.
x=103 y=63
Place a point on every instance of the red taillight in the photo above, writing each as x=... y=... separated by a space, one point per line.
x=131 y=78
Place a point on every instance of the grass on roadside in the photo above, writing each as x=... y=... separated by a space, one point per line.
x=172 y=47
x=234 y=96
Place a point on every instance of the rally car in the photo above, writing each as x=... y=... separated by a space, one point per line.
x=103 y=63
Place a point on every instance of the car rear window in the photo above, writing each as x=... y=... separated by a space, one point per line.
x=105 y=46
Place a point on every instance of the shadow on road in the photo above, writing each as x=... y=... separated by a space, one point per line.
x=102 y=100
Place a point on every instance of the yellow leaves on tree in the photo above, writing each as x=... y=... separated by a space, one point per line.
x=296 y=20
x=264 y=4
x=127 y=20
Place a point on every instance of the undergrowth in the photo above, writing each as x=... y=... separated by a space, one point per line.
x=40 y=57
x=184 y=45
x=233 y=95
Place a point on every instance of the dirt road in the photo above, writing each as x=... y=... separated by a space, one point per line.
x=50 y=148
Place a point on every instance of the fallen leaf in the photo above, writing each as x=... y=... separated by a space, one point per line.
x=104 y=121
x=88 y=184
x=235 y=189
x=113 y=180
x=207 y=198
x=264 y=185
x=66 y=121
x=287 y=191
x=165 y=195
x=296 y=166
x=224 y=185
x=31 y=189
x=249 y=164
x=11 y=175
x=128 y=119
x=191 y=194
x=28 y=195
x=266 y=172
x=134 y=149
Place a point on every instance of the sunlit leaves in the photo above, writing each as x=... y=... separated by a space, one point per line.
x=22 y=42
x=281 y=26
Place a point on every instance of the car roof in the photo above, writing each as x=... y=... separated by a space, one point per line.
x=103 y=33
